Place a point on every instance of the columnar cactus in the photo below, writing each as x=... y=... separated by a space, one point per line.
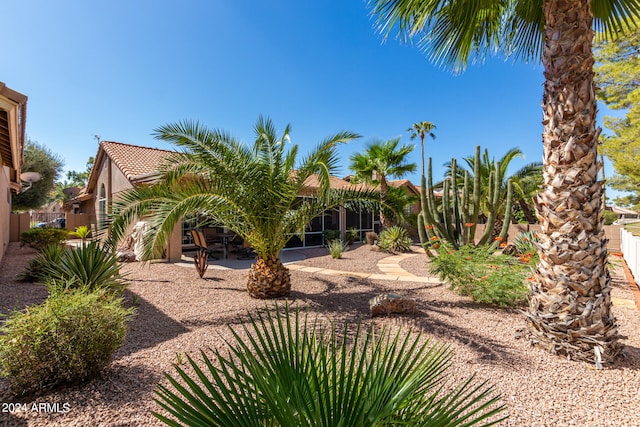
x=457 y=217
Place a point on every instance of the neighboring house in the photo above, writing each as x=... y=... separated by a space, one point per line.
x=13 y=115
x=411 y=190
x=624 y=213
x=119 y=167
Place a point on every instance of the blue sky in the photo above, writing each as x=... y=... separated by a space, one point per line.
x=121 y=68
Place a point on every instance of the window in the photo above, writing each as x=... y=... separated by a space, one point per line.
x=102 y=207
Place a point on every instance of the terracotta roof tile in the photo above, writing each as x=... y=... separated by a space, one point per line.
x=135 y=160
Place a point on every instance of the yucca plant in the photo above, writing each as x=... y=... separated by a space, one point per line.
x=48 y=255
x=89 y=265
x=284 y=369
x=336 y=248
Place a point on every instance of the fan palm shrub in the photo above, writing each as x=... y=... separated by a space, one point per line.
x=285 y=369
x=252 y=190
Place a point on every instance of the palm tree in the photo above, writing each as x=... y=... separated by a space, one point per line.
x=380 y=161
x=422 y=129
x=252 y=190
x=569 y=310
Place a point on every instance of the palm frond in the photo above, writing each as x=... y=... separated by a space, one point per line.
x=286 y=369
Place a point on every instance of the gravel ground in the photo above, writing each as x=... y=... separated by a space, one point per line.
x=178 y=312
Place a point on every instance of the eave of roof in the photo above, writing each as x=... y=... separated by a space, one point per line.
x=13 y=118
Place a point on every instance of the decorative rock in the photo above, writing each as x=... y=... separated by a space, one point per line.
x=384 y=304
x=128 y=256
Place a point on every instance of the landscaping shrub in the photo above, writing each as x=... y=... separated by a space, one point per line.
x=83 y=232
x=88 y=265
x=609 y=217
x=295 y=371
x=336 y=247
x=67 y=339
x=49 y=255
x=371 y=237
x=351 y=236
x=395 y=239
x=38 y=238
x=330 y=235
x=485 y=277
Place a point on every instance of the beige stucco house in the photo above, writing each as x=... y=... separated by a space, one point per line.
x=13 y=114
x=119 y=167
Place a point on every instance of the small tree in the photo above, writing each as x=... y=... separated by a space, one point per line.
x=38 y=158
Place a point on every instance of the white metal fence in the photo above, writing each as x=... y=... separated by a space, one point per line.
x=630 y=246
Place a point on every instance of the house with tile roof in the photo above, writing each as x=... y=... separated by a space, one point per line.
x=13 y=115
x=119 y=167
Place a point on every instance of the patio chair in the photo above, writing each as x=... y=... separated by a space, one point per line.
x=201 y=243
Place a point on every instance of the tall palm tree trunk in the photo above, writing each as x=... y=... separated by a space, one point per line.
x=569 y=307
x=268 y=278
x=385 y=222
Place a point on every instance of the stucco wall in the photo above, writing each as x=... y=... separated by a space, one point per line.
x=5 y=210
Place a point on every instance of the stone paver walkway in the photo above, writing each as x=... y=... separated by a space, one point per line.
x=389 y=270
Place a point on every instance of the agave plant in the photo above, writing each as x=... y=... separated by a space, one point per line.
x=284 y=369
x=395 y=239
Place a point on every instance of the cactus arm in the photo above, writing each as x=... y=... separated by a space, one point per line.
x=507 y=211
x=466 y=215
x=457 y=229
x=432 y=200
x=477 y=193
x=491 y=218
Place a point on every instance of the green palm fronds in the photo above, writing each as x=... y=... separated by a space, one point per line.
x=251 y=189
x=284 y=369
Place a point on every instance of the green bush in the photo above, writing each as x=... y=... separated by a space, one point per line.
x=35 y=270
x=38 y=238
x=82 y=231
x=88 y=265
x=294 y=371
x=487 y=278
x=330 y=235
x=336 y=248
x=67 y=339
x=352 y=235
x=609 y=217
x=395 y=239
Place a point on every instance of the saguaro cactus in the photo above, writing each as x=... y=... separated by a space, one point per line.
x=457 y=217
